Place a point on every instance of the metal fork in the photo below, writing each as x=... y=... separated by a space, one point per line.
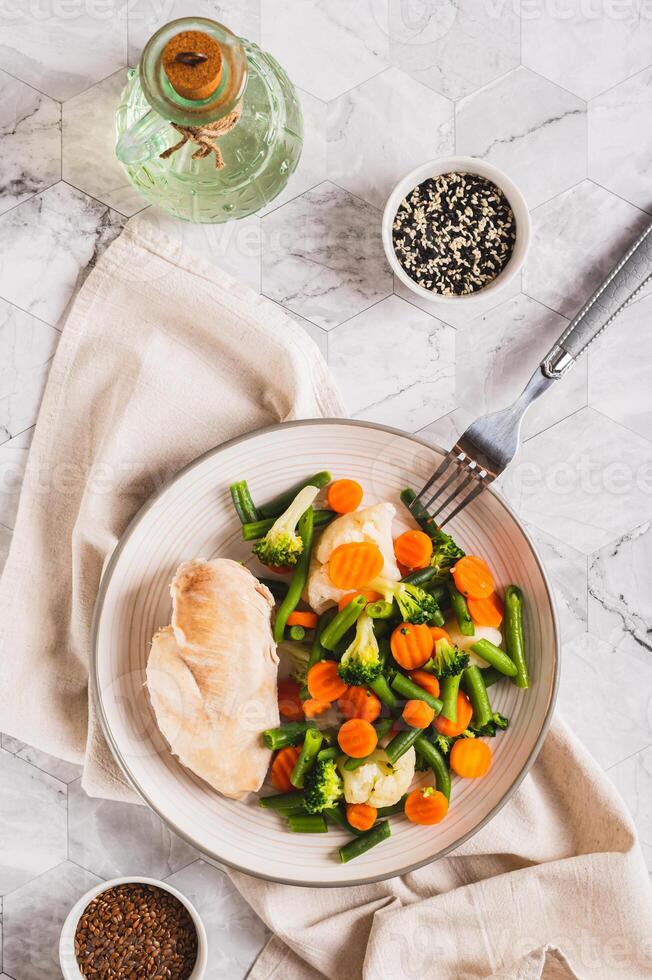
x=491 y=442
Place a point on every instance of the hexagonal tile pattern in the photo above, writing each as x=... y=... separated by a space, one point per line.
x=32 y=822
x=496 y=355
x=567 y=569
x=233 y=246
x=34 y=916
x=577 y=239
x=620 y=605
x=146 y=16
x=235 y=933
x=323 y=256
x=30 y=142
x=585 y=53
x=13 y=460
x=592 y=666
x=454 y=46
x=89 y=160
x=617 y=161
x=28 y=346
x=112 y=839
x=65 y=772
x=47 y=246
x=337 y=51
x=372 y=139
x=519 y=121
x=459 y=314
x=585 y=481
x=619 y=362
x=400 y=351
x=61 y=55
x=319 y=336
x=311 y=169
x=633 y=780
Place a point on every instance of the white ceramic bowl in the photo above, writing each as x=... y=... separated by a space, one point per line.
x=193 y=517
x=67 y=957
x=445 y=165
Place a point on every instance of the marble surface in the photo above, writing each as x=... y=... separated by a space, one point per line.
x=560 y=98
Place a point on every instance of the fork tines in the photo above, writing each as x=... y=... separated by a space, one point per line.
x=454 y=484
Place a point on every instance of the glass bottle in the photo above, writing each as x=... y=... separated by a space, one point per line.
x=259 y=153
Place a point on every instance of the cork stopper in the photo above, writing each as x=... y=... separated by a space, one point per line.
x=192 y=62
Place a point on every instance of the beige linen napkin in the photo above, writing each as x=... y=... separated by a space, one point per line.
x=162 y=357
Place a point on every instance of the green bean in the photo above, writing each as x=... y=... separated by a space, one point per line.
x=343 y=621
x=278 y=589
x=419 y=512
x=380 y=609
x=401 y=742
x=461 y=610
x=413 y=692
x=389 y=811
x=299 y=576
x=421 y=576
x=476 y=689
x=244 y=505
x=441 y=595
x=330 y=753
x=381 y=628
x=318 y=652
x=297 y=632
x=495 y=657
x=337 y=815
x=383 y=726
x=311 y=746
x=437 y=763
x=383 y=691
x=283 y=802
x=352 y=764
x=438 y=618
x=280 y=503
x=254 y=530
x=449 y=688
x=379 y=832
x=514 y=638
x=491 y=676
x=290 y=734
x=307 y=823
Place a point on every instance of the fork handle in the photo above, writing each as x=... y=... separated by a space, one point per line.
x=619 y=289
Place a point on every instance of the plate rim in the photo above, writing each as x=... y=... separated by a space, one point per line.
x=105 y=580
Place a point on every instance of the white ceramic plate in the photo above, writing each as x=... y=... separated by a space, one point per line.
x=193 y=517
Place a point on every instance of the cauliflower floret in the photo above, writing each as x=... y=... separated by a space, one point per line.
x=378 y=782
x=466 y=642
x=368 y=524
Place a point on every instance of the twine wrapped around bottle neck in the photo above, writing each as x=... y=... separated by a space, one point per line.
x=205 y=137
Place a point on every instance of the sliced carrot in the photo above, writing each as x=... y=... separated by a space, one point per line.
x=486 y=612
x=464 y=714
x=438 y=633
x=343 y=496
x=282 y=766
x=413 y=549
x=418 y=714
x=307 y=619
x=358 y=702
x=362 y=816
x=290 y=705
x=369 y=595
x=324 y=682
x=313 y=707
x=426 y=806
x=473 y=578
x=354 y=564
x=411 y=645
x=470 y=758
x=427 y=681
x=357 y=738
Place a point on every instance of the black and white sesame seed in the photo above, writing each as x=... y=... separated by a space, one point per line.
x=454 y=233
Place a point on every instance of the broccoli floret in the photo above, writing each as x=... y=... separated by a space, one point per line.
x=323 y=786
x=282 y=545
x=444 y=555
x=361 y=662
x=414 y=603
x=447 y=660
x=445 y=742
x=497 y=723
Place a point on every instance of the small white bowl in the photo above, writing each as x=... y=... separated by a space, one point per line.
x=67 y=957
x=445 y=165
